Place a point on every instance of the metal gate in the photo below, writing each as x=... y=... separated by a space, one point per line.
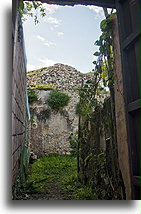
x=129 y=26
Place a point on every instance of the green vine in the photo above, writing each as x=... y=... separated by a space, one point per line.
x=103 y=77
x=26 y=9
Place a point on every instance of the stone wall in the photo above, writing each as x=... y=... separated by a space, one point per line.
x=60 y=76
x=51 y=131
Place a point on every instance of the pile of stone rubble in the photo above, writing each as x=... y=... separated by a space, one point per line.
x=59 y=75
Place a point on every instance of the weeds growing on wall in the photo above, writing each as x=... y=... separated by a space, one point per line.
x=58 y=100
x=42 y=87
x=32 y=96
x=94 y=165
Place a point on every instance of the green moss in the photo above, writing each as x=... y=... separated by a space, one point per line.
x=30 y=73
x=58 y=100
x=42 y=87
x=32 y=96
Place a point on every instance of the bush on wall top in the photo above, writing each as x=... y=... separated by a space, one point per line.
x=58 y=100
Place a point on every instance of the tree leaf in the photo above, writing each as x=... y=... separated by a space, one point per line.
x=94 y=62
x=96 y=53
x=35 y=5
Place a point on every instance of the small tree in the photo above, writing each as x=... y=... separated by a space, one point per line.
x=58 y=100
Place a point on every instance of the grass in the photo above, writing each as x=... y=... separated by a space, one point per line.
x=60 y=169
x=52 y=168
x=30 y=73
x=78 y=190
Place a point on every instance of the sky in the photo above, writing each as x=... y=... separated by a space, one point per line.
x=65 y=35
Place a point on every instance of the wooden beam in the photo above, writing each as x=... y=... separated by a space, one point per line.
x=130 y=39
x=134 y=105
x=100 y=3
x=136 y=180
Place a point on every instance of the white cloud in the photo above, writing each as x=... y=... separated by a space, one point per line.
x=60 y=33
x=50 y=43
x=40 y=38
x=46 y=62
x=98 y=10
x=31 y=67
x=51 y=8
x=47 y=44
x=52 y=20
x=113 y=10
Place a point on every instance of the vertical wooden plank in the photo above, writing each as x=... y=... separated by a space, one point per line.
x=128 y=16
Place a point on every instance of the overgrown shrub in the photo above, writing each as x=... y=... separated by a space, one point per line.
x=58 y=100
x=32 y=96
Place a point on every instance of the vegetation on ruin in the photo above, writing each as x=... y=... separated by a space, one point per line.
x=58 y=100
x=32 y=96
x=94 y=164
x=37 y=71
x=103 y=77
x=42 y=87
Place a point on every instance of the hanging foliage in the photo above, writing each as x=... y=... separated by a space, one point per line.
x=102 y=73
x=32 y=9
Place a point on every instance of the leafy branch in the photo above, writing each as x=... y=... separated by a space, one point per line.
x=102 y=73
x=27 y=8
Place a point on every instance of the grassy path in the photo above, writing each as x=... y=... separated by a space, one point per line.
x=54 y=177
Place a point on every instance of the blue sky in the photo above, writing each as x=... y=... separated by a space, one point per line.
x=66 y=35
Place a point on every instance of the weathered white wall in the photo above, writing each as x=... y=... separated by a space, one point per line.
x=51 y=130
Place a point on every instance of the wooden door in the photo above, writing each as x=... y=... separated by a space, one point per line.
x=129 y=27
